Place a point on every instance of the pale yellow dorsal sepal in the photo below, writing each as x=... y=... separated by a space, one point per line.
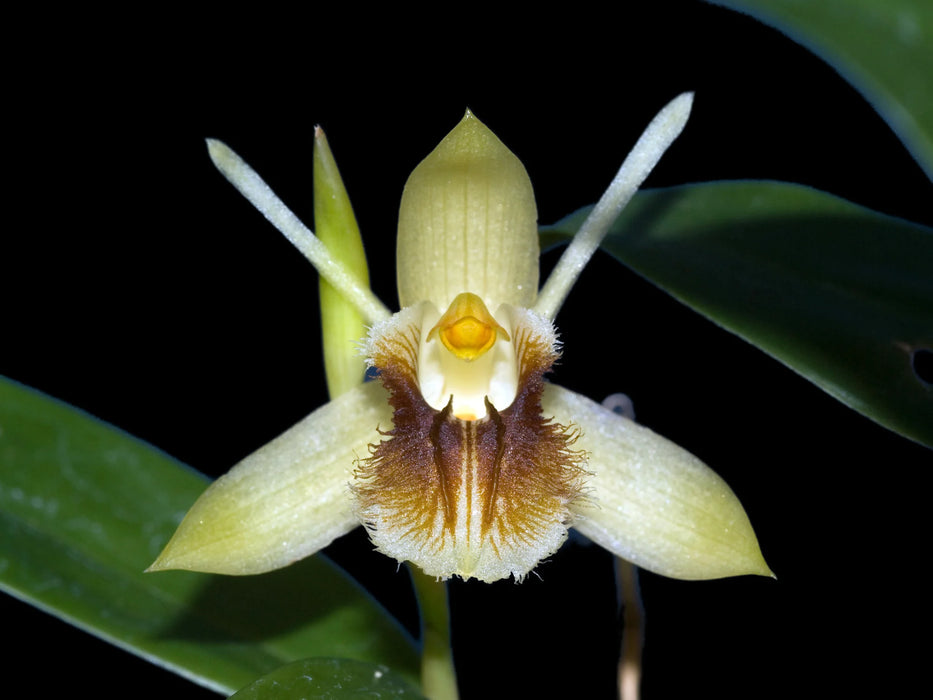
x=468 y=223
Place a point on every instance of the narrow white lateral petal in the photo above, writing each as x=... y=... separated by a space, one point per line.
x=260 y=195
x=646 y=153
x=288 y=499
x=654 y=503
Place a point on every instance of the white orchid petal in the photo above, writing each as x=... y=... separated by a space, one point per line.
x=652 y=502
x=288 y=499
x=656 y=139
x=261 y=196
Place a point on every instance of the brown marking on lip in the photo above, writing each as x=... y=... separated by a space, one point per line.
x=426 y=482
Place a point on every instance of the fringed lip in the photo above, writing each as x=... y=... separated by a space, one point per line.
x=483 y=498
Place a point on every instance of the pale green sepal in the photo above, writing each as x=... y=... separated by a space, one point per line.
x=341 y=324
x=288 y=499
x=652 y=502
x=467 y=224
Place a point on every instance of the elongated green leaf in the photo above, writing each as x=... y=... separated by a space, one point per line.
x=839 y=293
x=334 y=679
x=85 y=508
x=885 y=49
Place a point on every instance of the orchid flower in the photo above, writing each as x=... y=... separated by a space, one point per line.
x=462 y=459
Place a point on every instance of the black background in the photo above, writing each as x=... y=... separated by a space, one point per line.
x=139 y=286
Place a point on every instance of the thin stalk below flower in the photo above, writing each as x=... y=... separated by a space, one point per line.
x=438 y=677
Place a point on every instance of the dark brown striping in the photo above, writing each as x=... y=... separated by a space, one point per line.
x=446 y=440
x=496 y=427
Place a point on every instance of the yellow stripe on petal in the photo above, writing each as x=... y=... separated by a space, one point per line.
x=654 y=503
x=288 y=499
x=468 y=223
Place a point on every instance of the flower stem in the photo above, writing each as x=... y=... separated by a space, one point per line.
x=632 y=616
x=438 y=677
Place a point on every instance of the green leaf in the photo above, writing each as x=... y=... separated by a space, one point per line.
x=329 y=679
x=884 y=48
x=841 y=294
x=85 y=508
